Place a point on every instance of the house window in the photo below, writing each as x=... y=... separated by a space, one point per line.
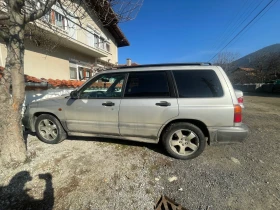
x=102 y=43
x=46 y=17
x=87 y=74
x=81 y=73
x=55 y=18
x=108 y=47
x=84 y=73
x=59 y=20
x=90 y=37
x=96 y=41
x=73 y=73
x=71 y=26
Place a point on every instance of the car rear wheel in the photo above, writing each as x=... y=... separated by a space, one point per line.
x=49 y=130
x=184 y=140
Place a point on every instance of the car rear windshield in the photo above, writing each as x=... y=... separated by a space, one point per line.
x=198 y=84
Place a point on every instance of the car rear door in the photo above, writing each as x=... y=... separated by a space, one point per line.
x=204 y=96
x=149 y=102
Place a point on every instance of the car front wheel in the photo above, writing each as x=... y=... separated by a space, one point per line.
x=184 y=140
x=49 y=130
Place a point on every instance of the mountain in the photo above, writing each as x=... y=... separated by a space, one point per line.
x=250 y=59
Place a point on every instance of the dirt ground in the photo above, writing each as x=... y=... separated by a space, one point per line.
x=90 y=173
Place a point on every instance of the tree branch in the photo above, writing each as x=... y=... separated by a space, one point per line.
x=4 y=17
x=66 y=12
x=43 y=10
x=3 y=34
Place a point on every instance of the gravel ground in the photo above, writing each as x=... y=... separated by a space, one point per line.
x=87 y=173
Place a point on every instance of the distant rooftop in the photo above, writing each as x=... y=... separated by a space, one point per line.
x=245 y=69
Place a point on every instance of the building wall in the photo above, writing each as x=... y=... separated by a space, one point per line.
x=42 y=64
x=90 y=19
x=55 y=65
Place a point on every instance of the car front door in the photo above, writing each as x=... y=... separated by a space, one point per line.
x=97 y=108
x=149 y=102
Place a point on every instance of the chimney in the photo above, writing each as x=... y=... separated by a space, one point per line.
x=128 y=62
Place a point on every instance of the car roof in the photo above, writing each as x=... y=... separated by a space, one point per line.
x=161 y=67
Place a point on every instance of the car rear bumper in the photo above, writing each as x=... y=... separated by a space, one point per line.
x=227 y=135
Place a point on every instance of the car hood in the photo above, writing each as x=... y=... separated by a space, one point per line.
x=48 y=102
x=57 y=98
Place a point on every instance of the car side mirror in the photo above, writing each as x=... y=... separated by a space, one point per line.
x=74 y=94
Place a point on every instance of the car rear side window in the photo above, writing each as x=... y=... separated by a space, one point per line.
x=198 y=84
x=147 y=84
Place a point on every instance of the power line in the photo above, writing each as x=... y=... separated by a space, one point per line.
x=241 y=30
x=235 y=25
x=257 y=19
x=240 y=22
x=222 y=35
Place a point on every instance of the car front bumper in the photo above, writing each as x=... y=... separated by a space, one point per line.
x=227 y=135
x=27 y=120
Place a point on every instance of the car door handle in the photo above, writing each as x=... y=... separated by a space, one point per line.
x=108 y=103
x=163 y=103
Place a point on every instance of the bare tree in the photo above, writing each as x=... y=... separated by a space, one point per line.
x=116 y=10
x=243 y=77
x=267 y=66
x=225 y=60
x=263 y=67
x=23 y=19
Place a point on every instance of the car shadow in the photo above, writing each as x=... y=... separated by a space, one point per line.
x=15 y=195
x=154 y=147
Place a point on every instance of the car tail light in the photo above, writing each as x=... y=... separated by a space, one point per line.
x=240 y=100
x=237 y=113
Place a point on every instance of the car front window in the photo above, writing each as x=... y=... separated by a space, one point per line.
x=104 y=86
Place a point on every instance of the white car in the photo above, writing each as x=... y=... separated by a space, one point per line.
x=182 y=106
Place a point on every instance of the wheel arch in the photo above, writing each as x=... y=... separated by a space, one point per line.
x=197 y=123
x=37 y=114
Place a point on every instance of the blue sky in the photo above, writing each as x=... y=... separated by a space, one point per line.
x=194 y=30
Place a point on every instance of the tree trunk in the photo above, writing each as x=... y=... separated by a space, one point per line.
x=13 y=149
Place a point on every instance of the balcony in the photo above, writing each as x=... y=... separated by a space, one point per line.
x=63 y=38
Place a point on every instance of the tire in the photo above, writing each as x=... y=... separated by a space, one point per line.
x=49 y=130
x=183 y=141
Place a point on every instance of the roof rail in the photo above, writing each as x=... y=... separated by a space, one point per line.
x=165 y=64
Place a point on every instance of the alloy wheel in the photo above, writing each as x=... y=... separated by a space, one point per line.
x=184 y=142
x=48 y=129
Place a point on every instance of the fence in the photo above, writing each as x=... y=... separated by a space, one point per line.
x=258 y=87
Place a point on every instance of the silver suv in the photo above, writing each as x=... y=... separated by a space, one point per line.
x=183 y=106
